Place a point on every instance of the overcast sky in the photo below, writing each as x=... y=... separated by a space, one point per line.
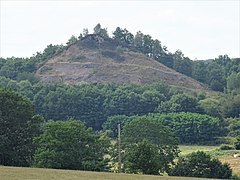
x=201 y=29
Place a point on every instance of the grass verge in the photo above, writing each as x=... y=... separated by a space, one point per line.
x=19 y=173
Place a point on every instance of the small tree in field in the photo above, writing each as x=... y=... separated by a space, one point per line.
x=150 y=147
x=143 y=157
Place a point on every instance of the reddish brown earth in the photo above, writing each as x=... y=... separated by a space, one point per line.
x=81 y=64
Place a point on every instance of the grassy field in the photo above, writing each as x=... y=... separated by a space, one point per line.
x=17 y=173
x=224 y=156
x=189 y=149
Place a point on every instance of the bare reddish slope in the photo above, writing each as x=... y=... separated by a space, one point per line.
x=107 y=62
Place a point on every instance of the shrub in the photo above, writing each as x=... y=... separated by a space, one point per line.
x=235 y=177
x=119 y=49
x=112 y=54
x=77 y=58
x=225 y=140
x=226 y=147
x=200 y=164
x=237 y=144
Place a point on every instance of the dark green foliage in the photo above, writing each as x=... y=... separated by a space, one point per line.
x=124 y=103
x=211 y=106
x=192 y=127
x=70 y=145
x=216 y=77
x=72 y=40
x=13 y=66
x=27 y=76
x=231 y=107
x=233 y=126
x=112 y=124
x=199 y=164
x=221 y=106
x=100 y=31
x=80 y=102
x=226 y=147
x=151 y=48
x=219 y=73
x=200 y=71
x=132 y=100
x=179 y=103
x=237 y=144
x=143 y=157
x=123 y=36
x=92 y=103
x=182 y=64
x=148 y=128
x=2 y=62
x=17 y=129
x=233 y=81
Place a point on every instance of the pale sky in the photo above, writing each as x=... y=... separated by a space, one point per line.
x=201 y=29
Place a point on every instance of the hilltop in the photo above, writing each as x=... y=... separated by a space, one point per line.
x=97 y=59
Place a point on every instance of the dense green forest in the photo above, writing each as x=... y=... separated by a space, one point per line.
x=40 y=122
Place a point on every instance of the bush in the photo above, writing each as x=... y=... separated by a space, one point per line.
x=226 y=147
x=112 y=54
x=225 y=140
x=77 y=58
x=237 y=144
x=200 y=164
x=119 y=50
x=235 y=177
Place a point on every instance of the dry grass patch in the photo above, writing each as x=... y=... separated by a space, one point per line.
x=234 y=163
x=18 y=173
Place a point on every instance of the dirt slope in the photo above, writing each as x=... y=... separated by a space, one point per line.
x=95 y=59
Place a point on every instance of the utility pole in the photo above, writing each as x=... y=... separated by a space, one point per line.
x=119 y=149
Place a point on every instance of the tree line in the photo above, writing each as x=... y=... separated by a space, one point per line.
x=94 y=103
